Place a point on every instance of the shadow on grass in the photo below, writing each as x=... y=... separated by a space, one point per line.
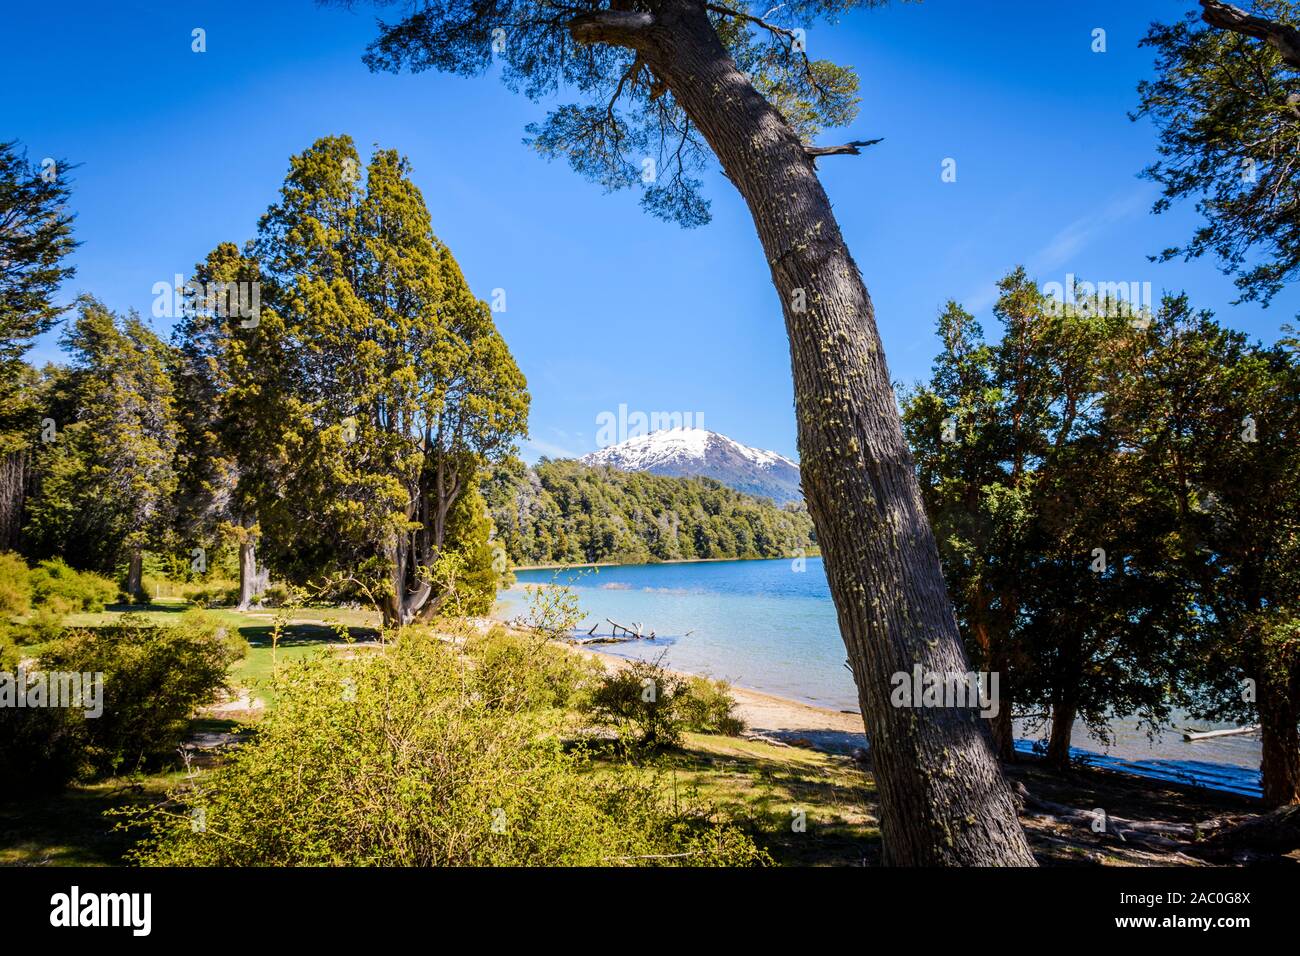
x=151 y=608
x=69 y=828
x=805 y=809
x=300 y=635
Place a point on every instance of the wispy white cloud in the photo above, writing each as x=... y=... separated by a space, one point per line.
x=1068 y=243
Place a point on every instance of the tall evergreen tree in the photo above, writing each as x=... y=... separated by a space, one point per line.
x=404 y=384
x=1215 y=420
x=233 y=403
x=1052 y=554
x=105 y=483
x=35 y=241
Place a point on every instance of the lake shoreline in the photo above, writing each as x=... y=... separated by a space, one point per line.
x=774 y=637
x=767 y=716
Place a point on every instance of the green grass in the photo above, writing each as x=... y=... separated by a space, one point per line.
x=762 y=785
x=316 y=629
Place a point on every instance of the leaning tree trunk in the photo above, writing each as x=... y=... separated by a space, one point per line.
x=1280 y=763
x=943 y=798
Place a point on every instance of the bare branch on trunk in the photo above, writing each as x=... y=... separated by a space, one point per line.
x=1281 y=36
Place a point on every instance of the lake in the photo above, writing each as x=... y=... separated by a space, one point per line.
x=771 y=626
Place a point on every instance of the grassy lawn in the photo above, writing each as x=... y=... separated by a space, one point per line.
x=309 y=629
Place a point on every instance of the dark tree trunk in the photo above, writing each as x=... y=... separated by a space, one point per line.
x=253 y=580
x=943 y=798
x=13 y=493
x=1280 y=763
x=135 y=576
x=1004 y=735
x=1064 y=713
x=992 y=650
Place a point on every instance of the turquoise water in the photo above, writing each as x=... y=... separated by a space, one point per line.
x=771 y=626
x=759 y=624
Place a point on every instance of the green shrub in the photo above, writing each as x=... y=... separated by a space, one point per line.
x=154 y=678
x=41 y=748
x=82 y=590
x=46 y=623
x=642 y=702
x=276 y=595
x=213 y=594
x=15 y=586
x=530 y=673
x=9 y=655
x=390 y=758
x=707 y=707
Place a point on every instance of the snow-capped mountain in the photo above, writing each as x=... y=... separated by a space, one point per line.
x=688 y=452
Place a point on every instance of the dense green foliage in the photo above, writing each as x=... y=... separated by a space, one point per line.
x=53 y=580
x=565 y=512
x=105 y=479
x=399 y=386
x=35 y=240
x=1225 y=105
x=323 y=415
x=15 y=585
x=413 y=757
x=1115 y=499
x=35 y=602
x=153 y=679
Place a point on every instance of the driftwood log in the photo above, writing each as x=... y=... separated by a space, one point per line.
x=1191 y=735
x=1268 y=835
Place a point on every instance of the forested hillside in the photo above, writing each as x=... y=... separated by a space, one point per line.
x=567 y=512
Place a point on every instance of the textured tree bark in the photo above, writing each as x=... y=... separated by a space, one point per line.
x=1280 y=763
x=402 y=604
x=13 y=492
x=135 y=575
x=943 y=798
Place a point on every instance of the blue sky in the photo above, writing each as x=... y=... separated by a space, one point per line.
x=605 y=305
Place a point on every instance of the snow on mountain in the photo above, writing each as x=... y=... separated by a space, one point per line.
x=688 y=452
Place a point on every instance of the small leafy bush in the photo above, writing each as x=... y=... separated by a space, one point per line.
x=276 y=595
x=214 y=594
x=642 y=703
x=15 y=586
x=82 y=590
x=154 y=678
x=707 y=707
x=46 y=623
x=530 y=673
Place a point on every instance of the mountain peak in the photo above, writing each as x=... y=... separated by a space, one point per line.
x=691 y=452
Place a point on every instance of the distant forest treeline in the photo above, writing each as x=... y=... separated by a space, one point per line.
x=567 y=512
